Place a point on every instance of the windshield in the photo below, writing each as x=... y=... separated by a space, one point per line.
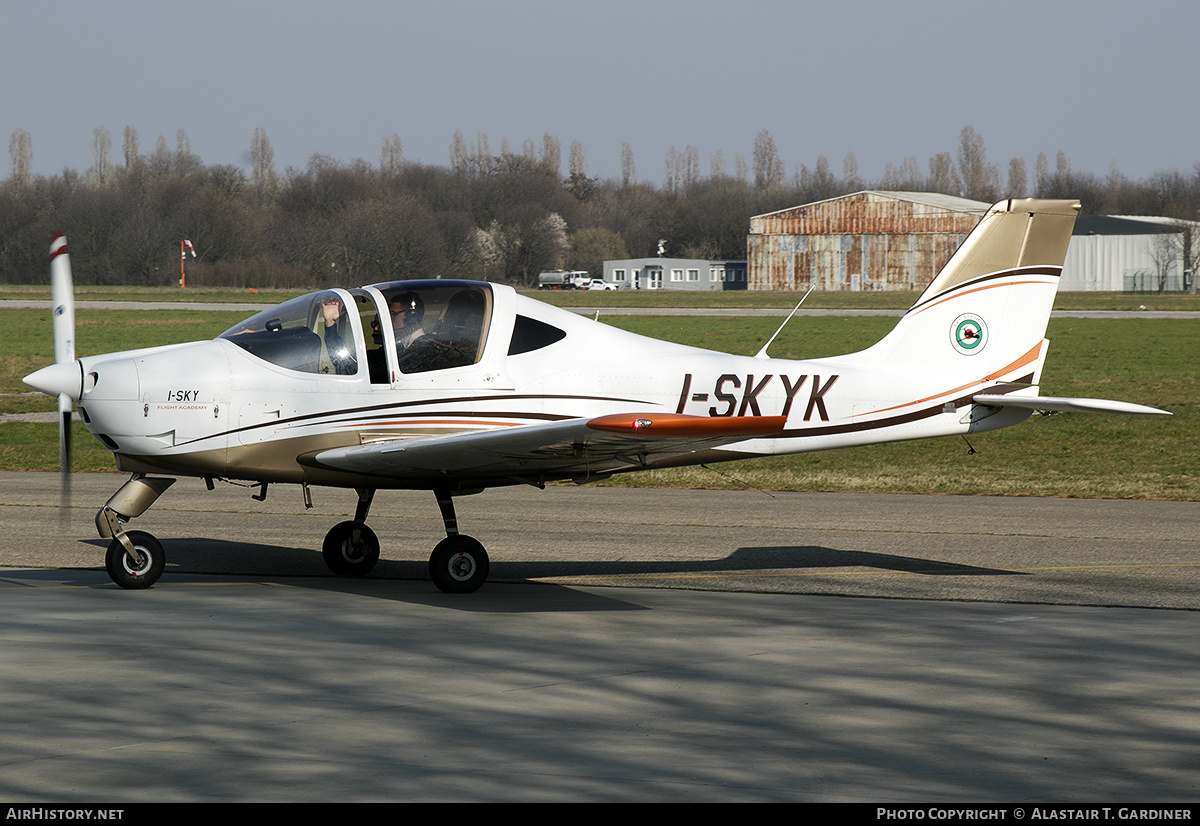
x=428 y=325
x=311 y=334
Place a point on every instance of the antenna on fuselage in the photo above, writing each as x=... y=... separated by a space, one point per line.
x=762 y=354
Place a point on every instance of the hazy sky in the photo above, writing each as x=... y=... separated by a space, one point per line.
x=1101 y=80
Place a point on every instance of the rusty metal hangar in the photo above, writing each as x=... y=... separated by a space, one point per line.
x=869 y=240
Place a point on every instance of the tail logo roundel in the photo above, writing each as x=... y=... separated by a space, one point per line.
x=968 y=334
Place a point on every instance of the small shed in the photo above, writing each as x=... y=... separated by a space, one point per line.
x=871 y=240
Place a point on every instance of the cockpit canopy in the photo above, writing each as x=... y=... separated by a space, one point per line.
x=427 y=326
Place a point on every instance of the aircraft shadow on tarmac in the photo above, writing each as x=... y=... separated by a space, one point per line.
x=408 y=580
x=209 y=556
x=751 y=559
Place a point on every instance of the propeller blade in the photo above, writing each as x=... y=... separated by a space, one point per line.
x=62 y=291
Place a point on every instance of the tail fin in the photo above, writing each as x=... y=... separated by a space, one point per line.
x=976 y=337
x=982 y=320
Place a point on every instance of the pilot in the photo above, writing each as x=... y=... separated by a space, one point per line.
x=341 y=355
x=407 y=311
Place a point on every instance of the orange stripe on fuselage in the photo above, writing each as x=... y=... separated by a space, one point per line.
x=1028 y=358
x=472 y=422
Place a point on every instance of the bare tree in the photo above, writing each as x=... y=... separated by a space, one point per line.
x=551 y=154
x=1114 y=187
x=979 y=181
x=716 y=167
x=160 y=161
x=850 y=180
x=262 y=165
x=1018 y=181
x=671 y=180
x=943 y=177
x=578 y=183
x=577 y=161
x=1166 y=252
x=628 y=168
x=129 y=147
x=690 y=171
x=458 y=154
x=740 y=170
x=185 y=162
x=391 y=155
x=1062 y=167
x=101 y=155
x=482 y=161
x=768 y=167
x=822 y=184
x=20 y=150
x=910 y=174
x=1041 y=175
x=891 y=178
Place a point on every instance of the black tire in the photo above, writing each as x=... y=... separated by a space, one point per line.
x=458 y=565
x=122 y=569
x=351 y=549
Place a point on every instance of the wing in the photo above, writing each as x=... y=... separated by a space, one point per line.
x=536 y=453
x=1057 y=404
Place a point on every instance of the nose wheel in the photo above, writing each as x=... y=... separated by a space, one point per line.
x=137 y=566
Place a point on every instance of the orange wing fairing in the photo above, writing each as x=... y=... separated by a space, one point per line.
x=675 y=425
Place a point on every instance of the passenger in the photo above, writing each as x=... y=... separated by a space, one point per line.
x=341 y=354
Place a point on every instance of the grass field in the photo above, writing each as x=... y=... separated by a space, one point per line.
x=1153 y=361
x=626 y=298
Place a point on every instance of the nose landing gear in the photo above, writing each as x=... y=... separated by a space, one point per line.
x=135 y=559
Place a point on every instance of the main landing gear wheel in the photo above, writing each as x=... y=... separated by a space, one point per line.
x=458 y=565
x=351 y=549
x=132 y=573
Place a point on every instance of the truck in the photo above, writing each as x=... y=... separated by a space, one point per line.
x=562 y=280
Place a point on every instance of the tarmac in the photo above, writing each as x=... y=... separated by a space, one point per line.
x=632 y=645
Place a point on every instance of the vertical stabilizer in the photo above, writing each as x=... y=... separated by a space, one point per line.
x=982 y=320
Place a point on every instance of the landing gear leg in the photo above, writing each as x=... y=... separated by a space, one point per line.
x=351 y=548
x=459 y=564
x=135 y=559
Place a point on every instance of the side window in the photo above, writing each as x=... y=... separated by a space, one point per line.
x=437 y=327
x=529 y=334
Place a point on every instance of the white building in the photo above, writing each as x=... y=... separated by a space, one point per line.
x=1130 y=253
x=676 y=274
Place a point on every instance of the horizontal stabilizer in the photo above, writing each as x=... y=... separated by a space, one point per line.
x=1061 y=405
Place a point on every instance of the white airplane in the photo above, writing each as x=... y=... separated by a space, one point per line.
x=457 y=386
